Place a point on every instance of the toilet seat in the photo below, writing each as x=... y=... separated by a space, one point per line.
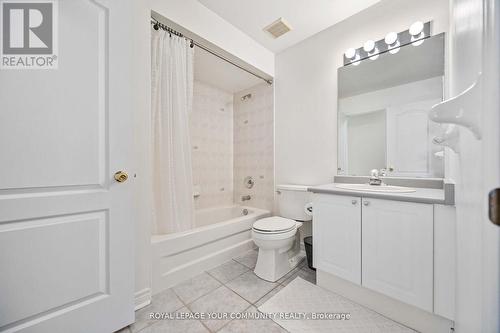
x=274 y=225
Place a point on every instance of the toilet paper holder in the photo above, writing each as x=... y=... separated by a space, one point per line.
x=308 y=209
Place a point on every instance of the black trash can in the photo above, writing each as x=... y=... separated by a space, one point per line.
x=308 y=244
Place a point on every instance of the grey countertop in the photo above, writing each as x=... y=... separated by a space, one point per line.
x=422 y=195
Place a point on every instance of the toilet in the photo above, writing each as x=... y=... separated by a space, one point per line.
x=278 y=237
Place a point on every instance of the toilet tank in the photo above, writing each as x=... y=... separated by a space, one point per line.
x=291 y=201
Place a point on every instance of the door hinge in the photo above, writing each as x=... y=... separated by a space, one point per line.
x=494 y=206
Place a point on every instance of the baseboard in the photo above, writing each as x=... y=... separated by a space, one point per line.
x=403 y=313
x=142 y=298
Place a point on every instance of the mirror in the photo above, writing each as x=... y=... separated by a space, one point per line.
x=383 y=107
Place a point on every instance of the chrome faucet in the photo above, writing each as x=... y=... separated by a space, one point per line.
x=375 y=177
x=245 y=197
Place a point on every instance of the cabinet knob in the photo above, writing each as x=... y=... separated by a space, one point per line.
x=354 y=202
x=366 y=203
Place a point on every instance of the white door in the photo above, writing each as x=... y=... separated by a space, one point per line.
x=410 y=152
x=398 y=250
x=337 y=235
x=66 y=252
x=475 y=40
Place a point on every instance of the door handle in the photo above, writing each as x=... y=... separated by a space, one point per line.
x=494 y=206
x=366 y=203
x=121 y=176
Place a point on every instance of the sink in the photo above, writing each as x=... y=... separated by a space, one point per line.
x=376 y=188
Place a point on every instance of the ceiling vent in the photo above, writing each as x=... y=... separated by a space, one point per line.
x=278 y=28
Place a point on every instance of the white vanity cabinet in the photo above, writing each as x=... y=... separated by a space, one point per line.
x=397 y=243
x=337 y=235
x=383 y=245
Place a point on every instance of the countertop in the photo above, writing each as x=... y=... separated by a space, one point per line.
x=421 y=195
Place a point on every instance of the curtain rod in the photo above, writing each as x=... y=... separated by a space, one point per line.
x=158 y=25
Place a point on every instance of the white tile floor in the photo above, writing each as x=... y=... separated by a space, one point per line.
x=230 y=287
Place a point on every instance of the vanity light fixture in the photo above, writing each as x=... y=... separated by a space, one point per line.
x=392 y=41
x=417 y=33
x=371 y=49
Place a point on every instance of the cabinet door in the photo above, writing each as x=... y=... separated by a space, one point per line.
x=337 y=235
x=398 y=250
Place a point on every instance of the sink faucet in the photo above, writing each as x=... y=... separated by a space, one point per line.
x=245 y=197
x=375 y=178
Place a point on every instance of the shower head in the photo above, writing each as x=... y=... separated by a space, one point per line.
x=246 y=97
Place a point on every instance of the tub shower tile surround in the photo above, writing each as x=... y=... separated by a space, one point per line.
x=211 y=127
x=233 y=139
x=253 y=145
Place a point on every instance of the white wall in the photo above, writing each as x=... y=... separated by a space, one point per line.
x=306 y=86
x=198 y=19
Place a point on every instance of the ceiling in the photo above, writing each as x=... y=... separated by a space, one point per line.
x=307 y=17
x=221 y=74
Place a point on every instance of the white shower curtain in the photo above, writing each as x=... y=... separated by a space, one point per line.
x=171 y=103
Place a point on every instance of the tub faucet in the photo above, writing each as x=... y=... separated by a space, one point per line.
x=245 y=197
x=375 y=178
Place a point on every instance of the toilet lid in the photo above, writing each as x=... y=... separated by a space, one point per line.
x=273 y=224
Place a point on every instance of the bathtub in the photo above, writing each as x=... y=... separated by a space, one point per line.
x=221 y=233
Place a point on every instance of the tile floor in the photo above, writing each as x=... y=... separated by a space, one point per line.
x=230 y=287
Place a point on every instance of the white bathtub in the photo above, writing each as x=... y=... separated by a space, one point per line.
x=221 y=234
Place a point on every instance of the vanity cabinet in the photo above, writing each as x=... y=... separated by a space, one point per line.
x=397 y=256
x=337 y=239
x=383 y=245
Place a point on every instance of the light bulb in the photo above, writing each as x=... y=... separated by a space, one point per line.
x=417 y=33
x=416 y=28
x=371 y=49
x=369 y=46
x=350 y=53
x=391 y=38
x=392 y=41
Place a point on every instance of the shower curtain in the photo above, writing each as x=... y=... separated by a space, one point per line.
x=171 y=103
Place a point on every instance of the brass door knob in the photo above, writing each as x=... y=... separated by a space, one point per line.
x=121 y=176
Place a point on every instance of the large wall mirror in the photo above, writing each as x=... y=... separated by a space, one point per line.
x=383 y=107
